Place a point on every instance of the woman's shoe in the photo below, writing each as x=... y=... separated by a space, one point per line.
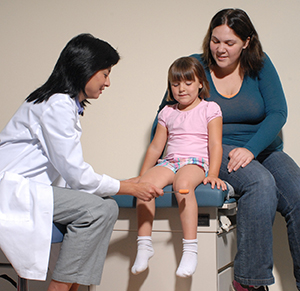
x=235 y=286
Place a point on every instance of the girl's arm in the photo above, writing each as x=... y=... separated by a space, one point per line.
x=155 y=148
x=215 y=153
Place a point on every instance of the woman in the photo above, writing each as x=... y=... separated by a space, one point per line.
x=41 y=143
x=244 y=82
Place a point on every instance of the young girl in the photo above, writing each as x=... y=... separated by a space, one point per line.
x=192 y=129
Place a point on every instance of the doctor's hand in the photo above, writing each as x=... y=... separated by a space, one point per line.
x=239 y=157
x=144 y=191
x=134 y=179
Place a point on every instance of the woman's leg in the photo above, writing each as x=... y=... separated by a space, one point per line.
x=188 y=177
x=287 y=175
x=89 y=220
x=159 y=176
x=256 y=212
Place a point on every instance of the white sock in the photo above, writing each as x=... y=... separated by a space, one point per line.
x=189 y=258
x=144 y=253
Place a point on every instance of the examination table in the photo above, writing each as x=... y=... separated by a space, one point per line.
x=216 y=245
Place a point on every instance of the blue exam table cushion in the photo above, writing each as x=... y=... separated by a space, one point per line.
x=58 y=232
x=205 y=195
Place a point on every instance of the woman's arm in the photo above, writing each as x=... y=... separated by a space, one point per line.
x=275 y=109
x=272 y=93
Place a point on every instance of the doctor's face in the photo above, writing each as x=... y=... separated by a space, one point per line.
x=96 y=84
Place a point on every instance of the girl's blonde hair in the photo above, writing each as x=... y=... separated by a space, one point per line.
x=187 y=69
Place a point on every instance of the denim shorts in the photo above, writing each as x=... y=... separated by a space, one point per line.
x=175 y=164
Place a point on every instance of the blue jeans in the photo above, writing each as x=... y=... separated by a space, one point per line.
x=267 y=184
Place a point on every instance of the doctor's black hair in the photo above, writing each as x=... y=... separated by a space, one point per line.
x=83 y=56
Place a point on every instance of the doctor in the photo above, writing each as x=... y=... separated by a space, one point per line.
x=42 y=143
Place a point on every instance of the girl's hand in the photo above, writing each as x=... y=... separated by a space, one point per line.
x=239 y=157
x=215 y=181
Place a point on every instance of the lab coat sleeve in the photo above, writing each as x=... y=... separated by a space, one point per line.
x=60 y=137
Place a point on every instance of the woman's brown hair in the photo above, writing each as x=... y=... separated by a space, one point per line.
x=251 y=59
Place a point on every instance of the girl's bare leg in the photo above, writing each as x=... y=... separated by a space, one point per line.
x=188 y=177
x=160 y=177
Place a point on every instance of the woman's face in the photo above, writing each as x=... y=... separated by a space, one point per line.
x=226 y=47
x=96 y=84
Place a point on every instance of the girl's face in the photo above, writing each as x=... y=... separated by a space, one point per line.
x=96 y=84
x=186 y=93
x=226 y=47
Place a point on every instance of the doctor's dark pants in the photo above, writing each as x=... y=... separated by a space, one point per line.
x=89 y=220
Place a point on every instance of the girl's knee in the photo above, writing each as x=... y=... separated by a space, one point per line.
x=183 y=184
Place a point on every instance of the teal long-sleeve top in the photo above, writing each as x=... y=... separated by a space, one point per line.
x=253 y=117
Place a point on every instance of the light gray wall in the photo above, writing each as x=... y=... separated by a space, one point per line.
x=149 y=35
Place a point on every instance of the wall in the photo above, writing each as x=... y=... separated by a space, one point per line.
x=149 y=35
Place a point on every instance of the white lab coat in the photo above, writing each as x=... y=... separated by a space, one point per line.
x=40 y=143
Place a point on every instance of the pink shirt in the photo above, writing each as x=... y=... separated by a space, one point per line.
x=187 y=130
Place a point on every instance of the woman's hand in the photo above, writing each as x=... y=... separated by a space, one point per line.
x=143 y=191
x=215 y=181
x=239 y=157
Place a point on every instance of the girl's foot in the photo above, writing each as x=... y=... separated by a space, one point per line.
x=144 y=253
x=189 y=259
